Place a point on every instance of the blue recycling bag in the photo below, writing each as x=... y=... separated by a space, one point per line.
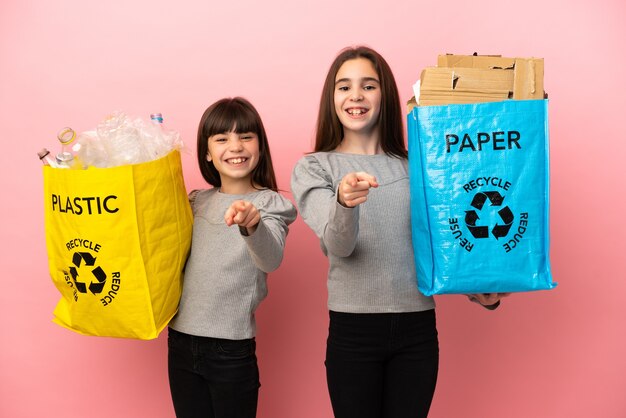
x=479 y=197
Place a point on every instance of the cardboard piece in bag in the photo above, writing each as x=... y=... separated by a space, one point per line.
x=481 y=78
x=464 y=85
x=527 y=72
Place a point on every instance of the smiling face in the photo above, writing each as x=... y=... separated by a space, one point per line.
x=235 y=156
x=357 y=97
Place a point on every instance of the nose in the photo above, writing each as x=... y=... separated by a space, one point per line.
x=236 y=145
x=357 y=96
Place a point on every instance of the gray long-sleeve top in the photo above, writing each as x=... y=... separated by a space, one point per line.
x=369 y=247
x=225 y=275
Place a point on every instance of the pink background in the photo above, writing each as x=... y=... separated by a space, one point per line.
x=545 y=354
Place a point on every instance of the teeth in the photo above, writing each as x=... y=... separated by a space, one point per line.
x=356 y=111
x=237 y=160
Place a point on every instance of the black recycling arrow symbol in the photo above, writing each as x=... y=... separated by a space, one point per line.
x=81 y=287
x=471 y=217
x=100 y=275
x=507 y=217
x=76 y=259
x=479 y=200
x=476 y=231
x=89 y=259
x=495 y=198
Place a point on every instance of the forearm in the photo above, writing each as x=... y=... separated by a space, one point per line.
x=341 y=231
x=265 y=247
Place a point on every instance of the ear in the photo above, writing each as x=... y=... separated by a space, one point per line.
x=208 y=157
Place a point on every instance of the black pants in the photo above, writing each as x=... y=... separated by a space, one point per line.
x=382 y=365
x=212 y=377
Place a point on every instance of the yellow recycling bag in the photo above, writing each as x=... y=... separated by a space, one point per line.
x=117 y=241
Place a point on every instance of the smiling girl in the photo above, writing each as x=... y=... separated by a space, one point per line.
x=353 y=191
x=212 y=364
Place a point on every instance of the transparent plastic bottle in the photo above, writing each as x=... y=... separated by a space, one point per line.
x=156 y=117
x=65 y=159
x=90 y=150
x=122 y=140
x=160 y=143
x=66 y=136
x=171 y=138
x=46 y=159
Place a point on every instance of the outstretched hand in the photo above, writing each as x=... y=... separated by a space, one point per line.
x=487 y=299
x=354 y=188
x=244 y=214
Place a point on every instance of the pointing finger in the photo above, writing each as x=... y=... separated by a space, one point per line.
x=363 y=176
x=351 y=179
x=229 y=215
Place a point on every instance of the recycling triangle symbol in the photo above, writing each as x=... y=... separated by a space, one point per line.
x=84 y=276
x=482 y=231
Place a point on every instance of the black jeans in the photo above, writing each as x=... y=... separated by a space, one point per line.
x=212 y=377
x=382 y=365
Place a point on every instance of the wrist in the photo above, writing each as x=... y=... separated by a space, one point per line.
x=247 y=231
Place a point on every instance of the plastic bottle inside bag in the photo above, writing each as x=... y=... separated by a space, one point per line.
x=171 y=138
x=91 y=150
x=122 y=140
x=160 y=140
x=65 y=158
x=116 y=141
x=152 y=136
x=66 y=136
x=46 y=158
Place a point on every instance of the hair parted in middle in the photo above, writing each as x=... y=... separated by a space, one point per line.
x=329 y=132
x=234 y=115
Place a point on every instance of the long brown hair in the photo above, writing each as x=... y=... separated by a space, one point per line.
x=329 y=132
x=234 y=115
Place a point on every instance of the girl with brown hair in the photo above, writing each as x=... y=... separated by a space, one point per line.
x=212 y=363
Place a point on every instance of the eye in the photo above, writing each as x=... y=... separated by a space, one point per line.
x=247 y=137
x=219 y=139
x=369 y=87
x=343 y=88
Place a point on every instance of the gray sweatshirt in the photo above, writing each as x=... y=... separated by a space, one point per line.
x=225 y=275
x=369 y=247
